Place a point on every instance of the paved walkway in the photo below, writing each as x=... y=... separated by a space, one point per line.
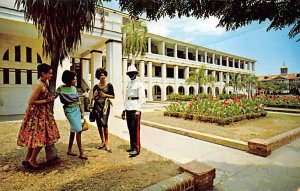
x=235 y=170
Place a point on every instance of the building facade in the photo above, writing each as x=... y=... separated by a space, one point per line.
x=163 y=69
x=283 y=83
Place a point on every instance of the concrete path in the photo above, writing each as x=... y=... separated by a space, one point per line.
x=235 y=170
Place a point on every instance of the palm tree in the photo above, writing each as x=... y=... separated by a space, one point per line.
x=249 y=81
x=134 y=39
x=198 y=76
x=60 y=23
x=236 y=82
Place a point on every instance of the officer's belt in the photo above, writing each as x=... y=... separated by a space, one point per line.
x=133 y=98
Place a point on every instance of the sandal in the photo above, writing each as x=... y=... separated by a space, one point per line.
x=25 y=163
x=101 y=146
x=30 y=166
x=83 y=157
x=108 y=149
x=71 y=154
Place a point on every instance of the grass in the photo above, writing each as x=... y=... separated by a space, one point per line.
x=102 y=171
x=267 y=127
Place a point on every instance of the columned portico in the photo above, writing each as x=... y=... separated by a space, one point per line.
x=176 y=79
x=164 y=82
x=149 y=74
x=142 y=71
x=96 y=62
x=114 y=69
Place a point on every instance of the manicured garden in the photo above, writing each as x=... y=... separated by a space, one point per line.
x=215 y=110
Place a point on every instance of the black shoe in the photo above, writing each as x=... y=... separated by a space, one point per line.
x=129 y=150
x=133 y=153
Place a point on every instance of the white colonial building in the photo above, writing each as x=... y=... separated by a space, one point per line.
x=163 y=69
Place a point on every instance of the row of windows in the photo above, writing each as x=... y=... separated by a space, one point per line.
x=17 y=74
x=18 y=55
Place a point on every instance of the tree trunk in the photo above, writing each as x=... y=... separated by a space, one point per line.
x=51 y=151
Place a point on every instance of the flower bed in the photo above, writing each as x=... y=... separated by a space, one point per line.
x=222 y=112
x=292 y=102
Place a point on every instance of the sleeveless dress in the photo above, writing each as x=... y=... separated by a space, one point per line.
x=38 y=128
x=103 y=104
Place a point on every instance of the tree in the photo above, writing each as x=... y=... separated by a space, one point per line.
x=134 y=39
x=249 y=82
x=236 y=82
x=60 y=23
x=198 y=76
x=232 y=14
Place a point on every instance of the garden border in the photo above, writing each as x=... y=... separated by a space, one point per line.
x=260 y=147
x=218 y=120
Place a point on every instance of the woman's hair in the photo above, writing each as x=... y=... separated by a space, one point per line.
x=68 y=76
x=100 y=71
x=43 y=68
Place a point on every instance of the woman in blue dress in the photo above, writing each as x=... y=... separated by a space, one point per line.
x=69 y=97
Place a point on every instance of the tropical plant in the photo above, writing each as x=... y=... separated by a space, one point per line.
x=60 y=23
x=236 y=82
x=232 y=14
x=197 y=76
x=249 y=82
x=134 y=39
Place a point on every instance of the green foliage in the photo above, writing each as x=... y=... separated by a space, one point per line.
x=61 y=21
x=135 y=39
x=233 y=14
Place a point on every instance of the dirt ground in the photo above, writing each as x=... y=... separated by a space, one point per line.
x=102 y=171
x=267 y=127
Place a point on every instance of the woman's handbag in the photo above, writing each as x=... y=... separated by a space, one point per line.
x=85 y=125
x=92 y=116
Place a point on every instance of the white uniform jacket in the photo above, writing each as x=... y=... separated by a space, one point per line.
x=134 y=96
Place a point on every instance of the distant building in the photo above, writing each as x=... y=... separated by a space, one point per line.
x=283 y=83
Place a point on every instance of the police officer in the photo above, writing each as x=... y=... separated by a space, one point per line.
x=134 y=100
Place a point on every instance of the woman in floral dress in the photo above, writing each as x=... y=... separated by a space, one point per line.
x=38 y=128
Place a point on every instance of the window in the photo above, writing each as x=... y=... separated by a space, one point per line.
x=39 y=59
x=170 y=52
x=170 y=72
x=6 y=55
x=29 y=77
x=18 y=53
x=157 y=71
x=18 y=76
x=180 y=54
x=181 y=73
x=5 y=76
x=28 y=54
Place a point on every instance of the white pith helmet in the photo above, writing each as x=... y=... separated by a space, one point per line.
x=131 y=68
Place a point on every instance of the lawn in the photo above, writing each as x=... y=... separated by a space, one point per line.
x=267 y=127
x=102 y=171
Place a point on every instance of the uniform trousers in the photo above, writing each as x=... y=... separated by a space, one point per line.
x=133 y=124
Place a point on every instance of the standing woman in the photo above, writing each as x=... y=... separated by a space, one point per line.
x=38 y=128
x=102 y=93
x=69 y=97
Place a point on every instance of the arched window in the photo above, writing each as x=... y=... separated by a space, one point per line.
x=39 y=59
x=181 y=90
x=169 y=90
x=6 y=55
x=191 y=90
x=18 y=53
x=28 y=54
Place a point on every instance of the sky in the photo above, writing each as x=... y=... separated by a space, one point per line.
x=270 y=49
